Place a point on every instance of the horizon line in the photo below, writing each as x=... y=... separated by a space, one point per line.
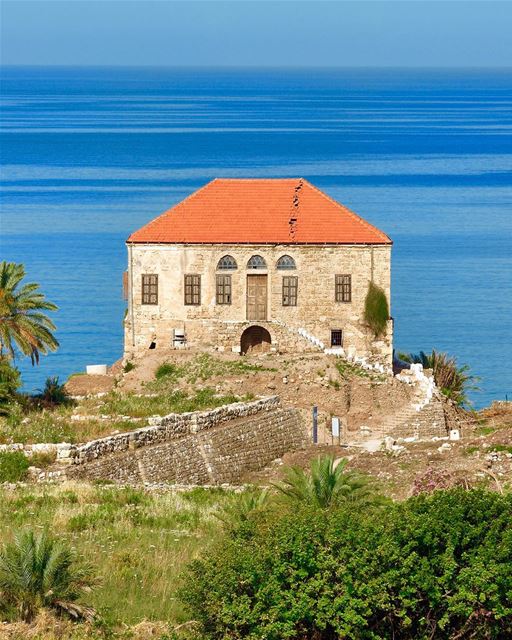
x=250 y=66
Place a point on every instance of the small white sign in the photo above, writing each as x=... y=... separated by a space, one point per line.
x=335 y=427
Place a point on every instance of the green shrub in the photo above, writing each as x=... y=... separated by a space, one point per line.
x=10 y=382
x=436 y=566
x=129 y=366
x=376 y=309
x=13 y=466
x=165 y=370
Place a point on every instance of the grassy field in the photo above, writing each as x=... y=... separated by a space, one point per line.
x=100 y=416
x=119 y=410
x=138 y=542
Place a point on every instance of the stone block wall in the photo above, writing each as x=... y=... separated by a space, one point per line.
x=316 y=311
x=212 y=447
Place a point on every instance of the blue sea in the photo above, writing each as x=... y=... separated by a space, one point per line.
x=90 y=154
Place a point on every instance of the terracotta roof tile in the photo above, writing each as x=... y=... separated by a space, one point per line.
x=254 y=211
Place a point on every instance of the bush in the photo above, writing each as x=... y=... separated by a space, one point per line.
x=13 y=466
x=10 y=382
x=165 y=370
x=436 y=566
x=40 y=572
x=376 y=309
x=129 y=366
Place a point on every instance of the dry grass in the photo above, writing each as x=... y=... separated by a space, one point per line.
x=138 y=541
x=101 y=416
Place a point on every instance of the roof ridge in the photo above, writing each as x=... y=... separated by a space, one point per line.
x=256 y=179
x=349 y=211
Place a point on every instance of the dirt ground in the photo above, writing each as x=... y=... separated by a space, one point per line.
x=302 y=380
x=483 y=455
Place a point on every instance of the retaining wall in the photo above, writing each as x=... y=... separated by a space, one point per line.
x=212 y=447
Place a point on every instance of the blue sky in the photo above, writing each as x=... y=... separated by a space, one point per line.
x=257 y=33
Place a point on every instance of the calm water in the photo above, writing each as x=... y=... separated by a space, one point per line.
x=89 y=155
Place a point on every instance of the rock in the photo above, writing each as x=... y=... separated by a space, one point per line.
x=372 y=446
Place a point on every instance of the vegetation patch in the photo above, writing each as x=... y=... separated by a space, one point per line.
x=60 y=424
x=502 y=448
x=348 y=370
x=178 y=402
x=470 y=450
x=168 y=370
x=204 y=367
x=13 y=466
x=129 y=366
x=376 y=309
x=436 y=566
x=137 y=542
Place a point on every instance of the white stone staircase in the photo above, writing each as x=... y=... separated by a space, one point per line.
x=423 y=416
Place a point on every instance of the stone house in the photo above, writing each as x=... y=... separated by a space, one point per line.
x=248 y=264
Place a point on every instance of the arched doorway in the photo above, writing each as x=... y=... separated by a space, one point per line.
x=255 y=340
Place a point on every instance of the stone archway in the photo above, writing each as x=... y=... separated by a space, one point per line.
x=255 y=339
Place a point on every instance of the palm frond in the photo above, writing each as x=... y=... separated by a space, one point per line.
x=23 y=325
x=42 y=572
x=326 y=484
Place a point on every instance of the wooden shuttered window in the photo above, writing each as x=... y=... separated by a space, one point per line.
x=223 y=289
x=149 y=288
x=343 y=288
x=192 y=289
x=290 y=286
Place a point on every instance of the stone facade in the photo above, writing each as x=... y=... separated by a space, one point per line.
x=220 y=326
x=211 y=447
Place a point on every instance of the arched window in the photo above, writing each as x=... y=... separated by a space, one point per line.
x=227 y=263
x=256 y=262
x=286 y=262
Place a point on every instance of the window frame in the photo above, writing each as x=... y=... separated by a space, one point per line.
x=223 y=288
x=290 y=291
x=335 y=343
x=343 y=287
x=262 y=265
x=149 y=289
x=230 y=263
x=286 y=263
x=192 y=289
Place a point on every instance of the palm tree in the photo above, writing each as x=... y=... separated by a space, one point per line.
x=22 y=321
x=240 y=508
x=327 y=485
x=54 y=393
x=42 y=573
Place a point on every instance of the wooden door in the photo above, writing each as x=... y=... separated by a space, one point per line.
x=256 y=297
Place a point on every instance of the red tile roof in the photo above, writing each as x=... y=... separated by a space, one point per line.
x=236 y=211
